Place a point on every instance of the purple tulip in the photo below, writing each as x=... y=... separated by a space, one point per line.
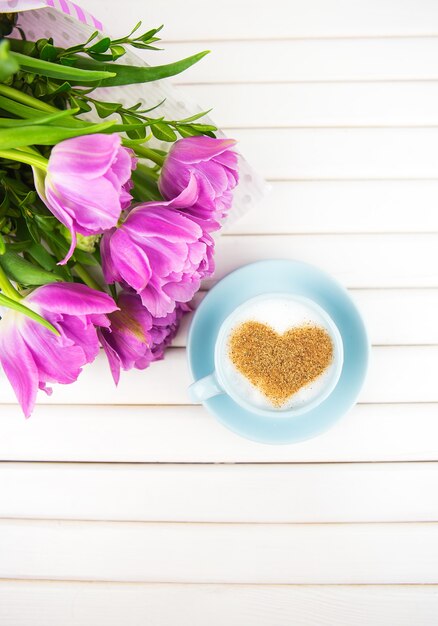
x=213 y=166
x=165 y=328
x=135 y=338
x=87 y=184
x=160 y=252
x=31 y=355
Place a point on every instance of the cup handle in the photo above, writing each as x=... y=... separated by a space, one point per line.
x=205 y=388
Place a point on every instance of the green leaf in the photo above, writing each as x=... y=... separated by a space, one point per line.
x=104 y=109
x=54 y=89
x=128 y=74
x=17 y=306
x=162 y=131
x=4 y=204
x=8 y=65
x=6 y=122
x=83 y=106
x=204 y=128
x=32 y=229
x=19 y=246
x=134 y=128
x=85 y=258
x=54 y=70
x=29 y=113
x=135 y=29
x=117 y=52
x=188 y=131
x=29 y=198
x=42 y=257
x=38 y=252
x=150 y=34
x=137 y=106
x=2 y=245
x=195 y=117
x=25 y=273
x=48 y=52
x=93 y=35
x=45 y=135
x=144 y=46
x=16 y=108
x=100 y=46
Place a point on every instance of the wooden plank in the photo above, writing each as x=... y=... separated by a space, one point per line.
x=398 y=374
x=386 y=492
x=348 y=206
x=357 y=260
x=43 y=603
x=172 y=434
x=306 y=60
x=341 y=153
x=315 y=18
x=319 y=104
x=217 y=553
x=392 y=316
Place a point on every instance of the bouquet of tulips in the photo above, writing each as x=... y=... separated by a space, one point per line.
x=104 y=238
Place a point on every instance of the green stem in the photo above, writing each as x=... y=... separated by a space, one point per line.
x=25 y=157
x=7 y=288
x=86 y=277
x=15 y=305
x=24 y=98
x=145 y=184
x=149 y=153
x=146 y=171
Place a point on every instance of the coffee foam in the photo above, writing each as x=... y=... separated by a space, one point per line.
x=281 y=313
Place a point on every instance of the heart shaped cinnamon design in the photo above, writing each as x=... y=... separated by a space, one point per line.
x=280 y=365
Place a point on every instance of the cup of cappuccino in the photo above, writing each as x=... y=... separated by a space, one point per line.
x=276 y=354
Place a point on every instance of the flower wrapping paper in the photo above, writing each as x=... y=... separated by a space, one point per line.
x=67 y=23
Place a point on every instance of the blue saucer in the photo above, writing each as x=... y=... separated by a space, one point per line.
x=299 y=279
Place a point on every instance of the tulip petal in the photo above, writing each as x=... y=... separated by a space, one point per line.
x=57 y=358
x=82 y=334
x=112 y=356
x=196 y=149
x=157 y=220
x=93 y=207
x=156 y=300
x=19 y=367
x=74 y=298
x=123 y=164
x=87 y=157
x=131 y=260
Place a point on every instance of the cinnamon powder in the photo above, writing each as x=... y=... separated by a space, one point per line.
x=280 y=365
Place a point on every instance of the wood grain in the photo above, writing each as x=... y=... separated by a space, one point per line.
x=321 y=104
x=306 y=60
x=43 y=603
x=347 y=206
x=341 y=153
x=387 y=492
x=188 y=434
x=364 y=261
x=215 y=553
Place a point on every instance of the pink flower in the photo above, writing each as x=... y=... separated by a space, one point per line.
x=31 y=355
x=213 y=167
x=159 y=252
x=165 y=328
x=87 y=184
x=135 y=338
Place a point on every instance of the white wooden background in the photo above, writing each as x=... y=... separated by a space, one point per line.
x=134 y=507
